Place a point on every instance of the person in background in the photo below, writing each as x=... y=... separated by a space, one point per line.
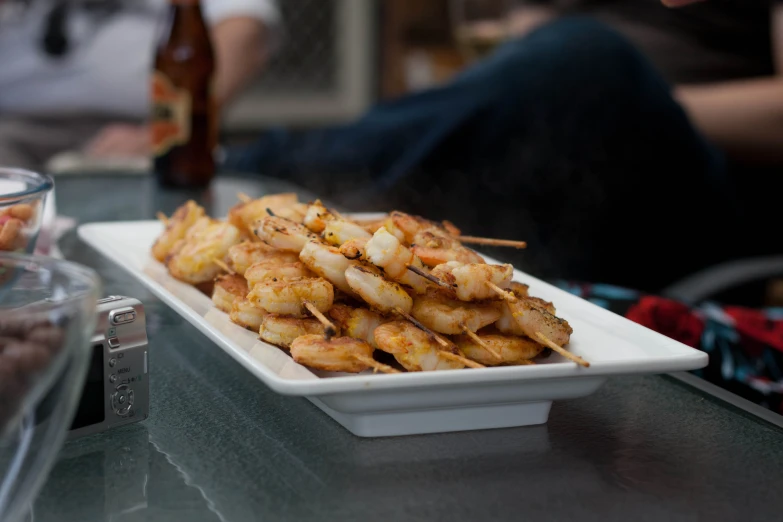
x=75 y=73
x=601 y=139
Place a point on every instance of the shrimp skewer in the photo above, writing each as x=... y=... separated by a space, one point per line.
x=287 y=297
x=176 y=228
x=228 y=288
x=535 y=321
x=194 y=260
x=416 y=351
x=283 y=234
x=338 y=231
x=385 y=251
x=359 y=323
x=329 y=329
x=471 y=280
x=282 y=330
x=270 y=270
x=449 y=316
x=340 y=354
x=511 y=349
x=246 y=254
x=382 y=295
x=329 y=263
x=247 y=314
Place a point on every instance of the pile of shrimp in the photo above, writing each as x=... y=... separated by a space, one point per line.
x=341 y=295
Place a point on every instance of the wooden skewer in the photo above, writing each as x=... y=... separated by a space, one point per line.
x=562 y=351
x=244 y=198
x=375 y=365
x=329 y=328
x=429 y=277
x=505 y=294
x=480 y=342
x=224 y=266
x=525 y=362
x=441 y=341
x=163 y=218
x=492 y=242
x=459 y=358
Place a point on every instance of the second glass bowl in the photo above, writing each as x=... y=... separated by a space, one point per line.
x=23 y=195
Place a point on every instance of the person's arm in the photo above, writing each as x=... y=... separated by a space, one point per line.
x=743 y=117
x=241 y=52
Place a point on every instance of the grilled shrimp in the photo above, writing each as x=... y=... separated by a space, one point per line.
x=329 y=263
x=359 y=323
x=246 y=313
x=405 y=226
x=412 y=348
x=434 y=248
x=532 y=318
x=176 y=228
x=385 y=251
x=247 y=253
x=338 y=231
x=470 y=280
x=244 y=215
x=194 y=262
x=354 y=248
x=512 y=349
x=281 y=330
x=507 y=324
x=338 y=354
x=450 y=316
x=318 y=216
x=273 y=270
x=283 y=234
x=382 y=295
x=228 y=288
x=288 y=297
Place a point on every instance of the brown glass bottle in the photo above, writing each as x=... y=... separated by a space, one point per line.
x=184 y=113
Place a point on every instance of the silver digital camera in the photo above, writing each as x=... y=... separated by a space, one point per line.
x=116 y=389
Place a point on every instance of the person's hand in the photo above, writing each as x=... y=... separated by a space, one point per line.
x=120 y=141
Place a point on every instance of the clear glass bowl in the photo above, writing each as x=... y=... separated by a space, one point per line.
x=22 y=197
x=47 y=319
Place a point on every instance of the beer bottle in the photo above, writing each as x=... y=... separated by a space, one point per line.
x=184 y=114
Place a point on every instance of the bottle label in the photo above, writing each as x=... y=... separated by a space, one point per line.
x=171 y=114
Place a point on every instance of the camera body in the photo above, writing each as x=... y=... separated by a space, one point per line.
x=116 y=389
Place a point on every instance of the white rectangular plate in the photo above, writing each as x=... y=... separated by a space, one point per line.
x=375 y=405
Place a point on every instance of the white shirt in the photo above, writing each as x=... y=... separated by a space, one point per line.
x=107 y=68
